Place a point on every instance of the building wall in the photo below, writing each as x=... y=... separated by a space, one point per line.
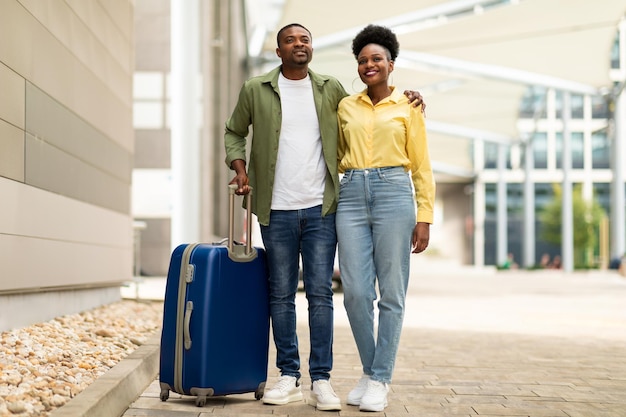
x=451 y=239
x=66 y=155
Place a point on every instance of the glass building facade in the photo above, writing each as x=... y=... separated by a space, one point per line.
x=540 y=120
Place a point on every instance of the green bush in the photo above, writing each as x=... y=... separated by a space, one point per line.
x=587 y=216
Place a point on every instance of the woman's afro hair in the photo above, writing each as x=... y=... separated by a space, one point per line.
x=379 y=35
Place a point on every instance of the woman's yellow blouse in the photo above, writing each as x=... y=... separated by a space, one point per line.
x=389 y=134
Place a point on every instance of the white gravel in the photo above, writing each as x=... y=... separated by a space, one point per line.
x=44 y=365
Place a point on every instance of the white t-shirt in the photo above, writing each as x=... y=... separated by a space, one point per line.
x=300 y=168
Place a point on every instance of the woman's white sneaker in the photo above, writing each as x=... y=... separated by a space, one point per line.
x=375 y=397
x=286 y=390
x=354 y=396
x=323 y=396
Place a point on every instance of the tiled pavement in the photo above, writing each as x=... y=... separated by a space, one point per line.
x=475 y=343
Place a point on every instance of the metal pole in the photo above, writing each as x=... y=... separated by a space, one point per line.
x=479 y=204
x=529 y=207
x=479 y=222
x=567 y=217
x=502 y=220
x=185 y=67
x=618 y=227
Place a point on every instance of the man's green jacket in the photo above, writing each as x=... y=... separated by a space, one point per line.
x=259 y=106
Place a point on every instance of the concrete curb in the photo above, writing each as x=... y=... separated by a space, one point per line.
x=111 y=394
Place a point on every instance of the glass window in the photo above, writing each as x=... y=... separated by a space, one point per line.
x=491 y=155
x=599 y=107
x=600 y=150
x=148 y=115
x=515 y=198
x=544 y=193
x=523 y=149
x=148 y=99
x=602 y=192
x=615 y=53
x=540 y=150
x=514 y=219
x=491 y=199
x=534 y=100
x=577 y=102
x=578 y=150
x=148 y=86
x=509 y=157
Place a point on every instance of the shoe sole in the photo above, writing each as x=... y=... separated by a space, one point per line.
x=327 y=407
x=354 y=401
x=372 y=407
x=282 y=401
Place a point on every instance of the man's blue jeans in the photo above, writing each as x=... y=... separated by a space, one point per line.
x=375 y=222
x=292 y=233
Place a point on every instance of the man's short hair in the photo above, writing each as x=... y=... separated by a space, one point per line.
x=287 y=27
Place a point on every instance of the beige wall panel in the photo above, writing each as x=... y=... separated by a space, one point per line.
x=91 y=40
x=122 y=13
x=57 y=72
x=104 y=112
x=52 y=169
x=12 y=87
x=48 y=64
x=11 y=155
x=55 y=124
x=15 y=23
x=110 y=33
x=32 y=263
x=63 y=219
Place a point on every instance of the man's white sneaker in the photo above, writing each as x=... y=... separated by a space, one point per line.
x=286 y=390
x=323 y=396
x=354 y=396
x=375 y=397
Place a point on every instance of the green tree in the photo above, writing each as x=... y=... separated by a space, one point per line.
x=587 y=217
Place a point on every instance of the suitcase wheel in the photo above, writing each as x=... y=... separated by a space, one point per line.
x=165 y=394
x=201 y=395
x=200 y=401
x=258 y=394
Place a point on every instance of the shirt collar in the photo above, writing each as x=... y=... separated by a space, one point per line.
x=394 y=97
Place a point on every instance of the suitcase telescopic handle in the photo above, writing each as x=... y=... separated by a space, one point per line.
x=239 y=253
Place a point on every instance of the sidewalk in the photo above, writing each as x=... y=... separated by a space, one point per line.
x=475 y=343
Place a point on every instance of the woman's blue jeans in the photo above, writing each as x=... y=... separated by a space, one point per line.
x=375 y=221
x=289 y=235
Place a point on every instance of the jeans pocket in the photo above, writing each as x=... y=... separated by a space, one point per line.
x=395 y=177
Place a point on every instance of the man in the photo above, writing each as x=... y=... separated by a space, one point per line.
x=293 y=171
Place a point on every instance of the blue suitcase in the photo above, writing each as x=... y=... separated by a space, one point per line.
x=215 y=335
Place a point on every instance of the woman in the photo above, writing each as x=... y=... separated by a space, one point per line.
x=383 y=155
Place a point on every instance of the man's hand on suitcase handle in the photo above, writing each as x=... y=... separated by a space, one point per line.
x=241 y=178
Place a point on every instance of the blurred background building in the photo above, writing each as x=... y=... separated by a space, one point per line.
x=112 y=115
